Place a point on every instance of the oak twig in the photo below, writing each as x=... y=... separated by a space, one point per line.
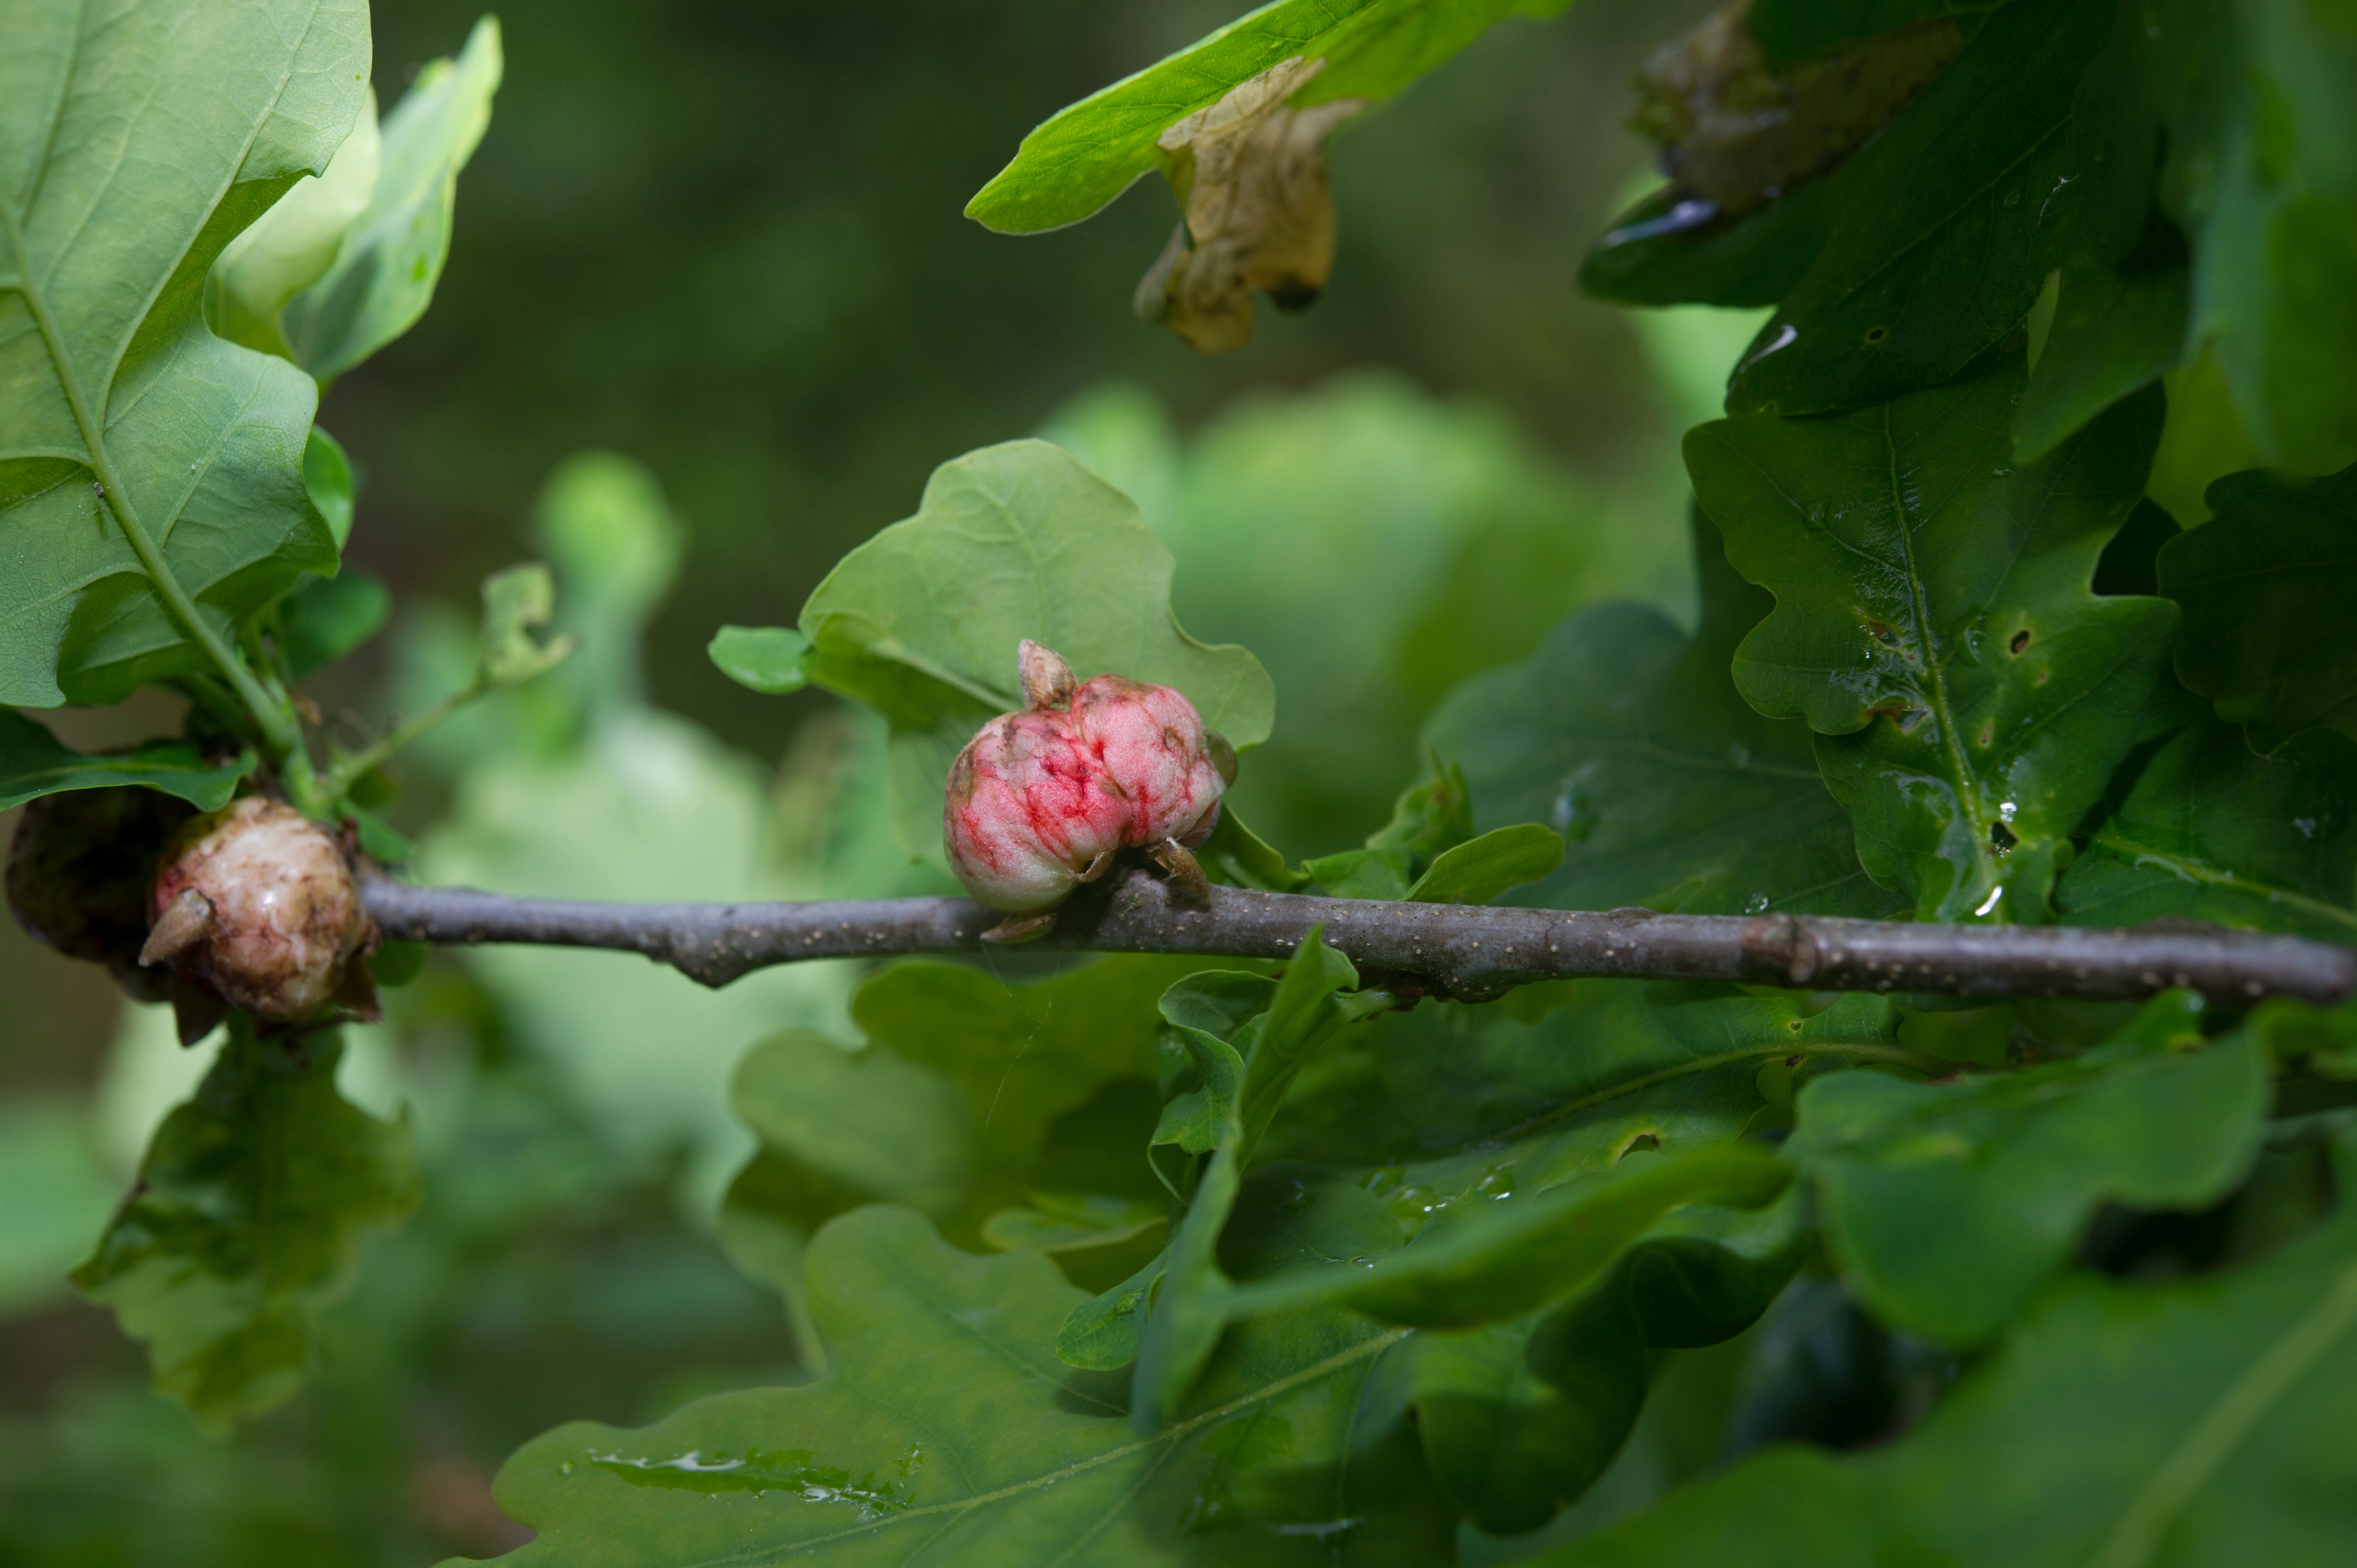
x=1473 y=953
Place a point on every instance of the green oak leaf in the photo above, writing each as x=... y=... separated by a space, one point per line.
x=288 y=248
x=1934 y=624
x=982 y=1105
x=1183 y=1318
x=2198 y=826
x=2205 y=1425
x=2266 y=585
x=328 y=481
x=2323 y=1039
x=1670 y=249
x=246 y=1221
x=1490 y=1262
x=327 y=619
x=1520 y=1418
x=1364 y=873
x=34 y=763
x=772 y=660
x=2237 y=121
x=1480 y=869
x=1237 y=857
x=1949 y=1204
x=136 y=143
x=2116 y=331
x=945 y=1425
x=1090 y=153
x=1948 y=224
x=1791 y=30
x=391 y=256
x=1628 y=739
x=1012 y=541
x=1452 y=1105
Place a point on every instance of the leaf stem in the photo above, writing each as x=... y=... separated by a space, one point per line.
x=280 y=729
x=347 y=771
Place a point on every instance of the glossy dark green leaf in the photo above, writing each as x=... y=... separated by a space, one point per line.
x=2238 y=121
x=2205 y=1425
x=1518 y=1419
x=1456 y=1105
x=2115 y=332
x=390 y=258
x=246 y=1220
x=1490 y=1263
x=2323 y=1039
x=1949 y=223
x=2266 y=585
x=1628 y=739
x=33 y=763
x=770 y=659
x=1091 y=152
x=1479 y=870
x=327 y=619
x=1934 y=624
x=1793 y=30
x=946 y=1426
x=134 y=144
x=1949 y=1204
x=1012 y=541
x=1189 y=1309
x=2198 y=826
x=1669 y=249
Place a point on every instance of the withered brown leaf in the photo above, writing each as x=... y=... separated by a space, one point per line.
x=1739 y=135
x=1250 y=174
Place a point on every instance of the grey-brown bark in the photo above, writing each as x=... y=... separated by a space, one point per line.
x=1473 y=953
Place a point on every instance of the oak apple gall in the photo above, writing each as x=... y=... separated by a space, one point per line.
x=258 y=904
x=1039 y=801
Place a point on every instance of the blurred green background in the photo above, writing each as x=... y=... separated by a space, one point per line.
x=722 y=243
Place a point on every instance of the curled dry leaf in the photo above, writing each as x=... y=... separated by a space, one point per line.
x=79 y=872
x=1249 y=172
x=1739 y=135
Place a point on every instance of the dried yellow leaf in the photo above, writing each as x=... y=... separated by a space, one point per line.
x=1249 y=172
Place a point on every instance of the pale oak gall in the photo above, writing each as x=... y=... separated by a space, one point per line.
x=257 y=904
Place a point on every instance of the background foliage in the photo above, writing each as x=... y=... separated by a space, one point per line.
x=1480 y=1284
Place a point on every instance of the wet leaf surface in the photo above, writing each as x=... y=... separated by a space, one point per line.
x=1934 y=624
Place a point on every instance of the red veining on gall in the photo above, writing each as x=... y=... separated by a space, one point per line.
x=1041 y=800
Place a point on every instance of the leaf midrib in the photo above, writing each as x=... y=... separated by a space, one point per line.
x=2210 y=875
x=1167 y=1439
x=1934 y=668
x=2227 y=1422
x=179 y=606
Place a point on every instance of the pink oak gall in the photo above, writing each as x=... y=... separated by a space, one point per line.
x=1041 y=800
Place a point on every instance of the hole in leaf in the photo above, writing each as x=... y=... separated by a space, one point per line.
x=2001 y=840
x=1875 y=334
x=2020 y=641
x=1643 y=1143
